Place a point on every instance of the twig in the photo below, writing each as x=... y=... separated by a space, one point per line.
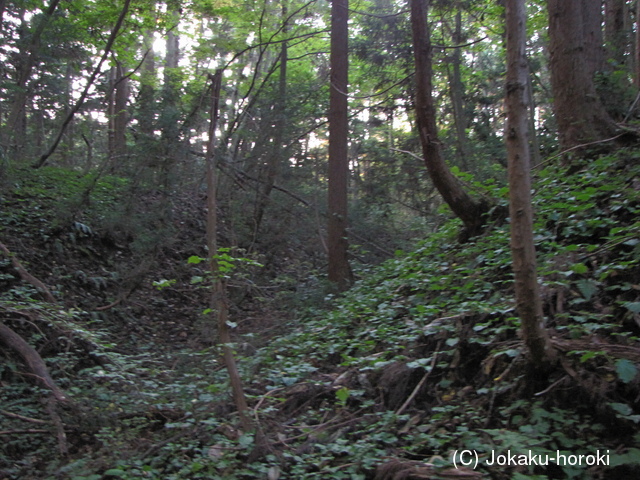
x=107 y=307
x=553 y=385
x=158 y=446
x=22 y=417
x=27 y=430
x=577 y=147
x=420 y=383
x=369 y=242
x=262 y=399
x=633 y=107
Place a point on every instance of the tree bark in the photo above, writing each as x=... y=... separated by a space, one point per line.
x=18 y=344
x=528 y=301
x=118 y=116
x=576 y=53
x=274 y=159
x=170 y=116
x=637 y=47
x=32 y=358
x=456 y=90
x=463 y=206
x=219 y=302
x=339 y=270
x=27 y=277
x=616 y=37
x=146 y=97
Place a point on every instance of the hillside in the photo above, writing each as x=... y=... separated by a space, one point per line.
x=419 y=360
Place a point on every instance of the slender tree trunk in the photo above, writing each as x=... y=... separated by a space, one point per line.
x=117 y=112
x=110 y=100
x=219 y=303
x=122 y=116
x=169 y=118
x=637 y=46
x=533 y=142
x=575 y=47
x=456 y=90
x=18 y=108
x=2 y=7
x=274 y=159
x=85 y=92
x=339 y=269
x=614 y=30
x=463 y=206
x=528 y=301
x=68 y=144
x=146 y=97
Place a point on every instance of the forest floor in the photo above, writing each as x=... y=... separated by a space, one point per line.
x=418 y=372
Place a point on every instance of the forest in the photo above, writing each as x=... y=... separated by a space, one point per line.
x=313 y=239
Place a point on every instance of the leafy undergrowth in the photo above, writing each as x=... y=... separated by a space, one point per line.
x=418 y=366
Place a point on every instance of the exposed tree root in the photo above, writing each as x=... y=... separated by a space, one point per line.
x=27 y=277
x=33 y=359
x=15 y=342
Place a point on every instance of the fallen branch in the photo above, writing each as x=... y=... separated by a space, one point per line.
x=22 y=417
x=420 y=383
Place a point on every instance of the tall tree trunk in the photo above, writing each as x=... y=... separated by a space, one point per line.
x=463 y=206
x=339 y=269
x=146 y=97
x=534 y=144
x=121 y=117
x=219 y=303
x=614 y=30
x=528 y=301
x=617 y=35
x=575 y=47
x=68 y=144
x=2 y=7
x=17 y=114
x=169 y=118
x=637 y=46
x=274 y=159
x=456 y=90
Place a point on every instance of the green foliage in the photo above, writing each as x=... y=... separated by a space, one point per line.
x=224 y=261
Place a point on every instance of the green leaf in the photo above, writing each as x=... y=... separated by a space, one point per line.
x=587 y=356
x=632 y=306
x=631 y=457
x=622 y=408
x=579 y=268
x=626 y=370
x=246 y=440
x=164 y=283
x=195 y=259
x=587 y=288
x=342 y=394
